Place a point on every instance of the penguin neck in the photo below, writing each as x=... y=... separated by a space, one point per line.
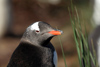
x=37 y=43
x=45 y=42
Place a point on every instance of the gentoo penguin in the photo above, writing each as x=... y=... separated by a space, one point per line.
x=94 y=38
x=35 y=49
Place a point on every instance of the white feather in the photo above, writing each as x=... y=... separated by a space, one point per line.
x=55 y=59
x=35 y=26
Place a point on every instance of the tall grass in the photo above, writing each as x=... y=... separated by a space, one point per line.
x=85 y=56
x=81 y=40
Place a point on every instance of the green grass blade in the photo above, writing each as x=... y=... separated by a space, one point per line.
x=62 y=50
x=75 y=37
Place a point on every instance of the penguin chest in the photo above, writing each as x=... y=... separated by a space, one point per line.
x=41 y=57
x=50 y=57
x=47 y=58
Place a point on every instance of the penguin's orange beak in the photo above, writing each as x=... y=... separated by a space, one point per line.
x=55 y=32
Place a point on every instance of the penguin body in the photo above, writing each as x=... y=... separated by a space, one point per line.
x=30 y=54
x=35 y=49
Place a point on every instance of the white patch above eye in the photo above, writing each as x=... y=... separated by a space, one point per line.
x=35 y=26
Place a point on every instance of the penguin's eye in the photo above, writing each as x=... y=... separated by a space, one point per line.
x=37 y=31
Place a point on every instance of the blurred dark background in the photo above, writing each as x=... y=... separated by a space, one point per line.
x=17 y=15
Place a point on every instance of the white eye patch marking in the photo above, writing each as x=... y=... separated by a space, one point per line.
x=35 y=26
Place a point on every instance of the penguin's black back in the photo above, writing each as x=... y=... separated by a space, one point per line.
x=28 y=55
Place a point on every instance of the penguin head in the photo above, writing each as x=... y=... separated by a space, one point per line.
x=40 y=33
